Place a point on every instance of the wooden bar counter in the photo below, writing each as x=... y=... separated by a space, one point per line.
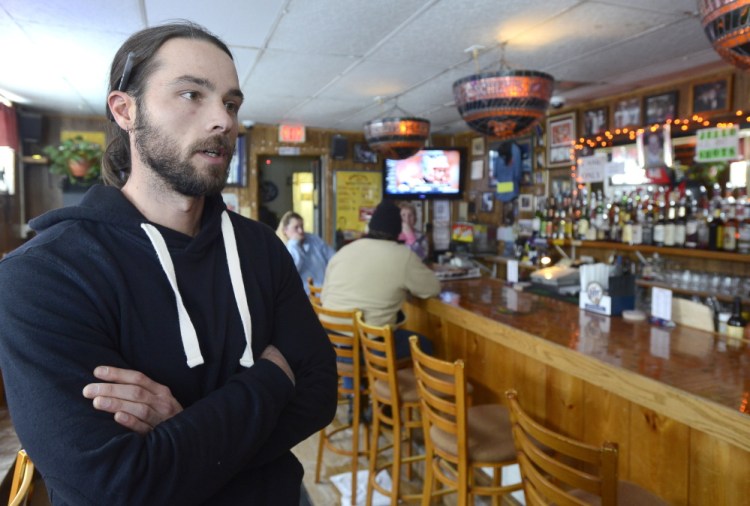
x=677 y=401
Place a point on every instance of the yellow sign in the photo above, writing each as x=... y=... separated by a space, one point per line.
x=505 y=187
x=357 y=195
x=95 y=137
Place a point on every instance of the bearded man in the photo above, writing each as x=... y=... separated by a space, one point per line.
x=146 y=342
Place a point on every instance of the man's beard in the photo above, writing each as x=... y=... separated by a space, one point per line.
x=160 y=153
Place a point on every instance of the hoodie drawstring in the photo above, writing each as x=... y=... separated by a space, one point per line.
x=187 y=329
x=235 y=275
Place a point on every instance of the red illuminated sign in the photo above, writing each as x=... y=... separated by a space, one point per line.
x=291 y=133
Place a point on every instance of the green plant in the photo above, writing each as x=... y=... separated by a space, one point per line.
x=76 y=158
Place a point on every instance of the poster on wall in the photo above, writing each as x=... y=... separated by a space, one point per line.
x=357 y=194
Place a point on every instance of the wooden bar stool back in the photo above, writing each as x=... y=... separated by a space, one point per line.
x=22 y=484
x=315 y=291
x=560 y=470
x=460 y=440
x=341 y=329
x=395 y=409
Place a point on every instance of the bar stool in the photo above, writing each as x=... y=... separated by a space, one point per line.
x=395 y=405
x=341 y=329
x=315 y=291
x=459 y=440
x=22 y=484
x=560 y=470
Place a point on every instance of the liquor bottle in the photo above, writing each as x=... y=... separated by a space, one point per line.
x=691 y=225
x=561 y=216
x=731 y=227
x=591 y=232
x=583 y=225
x=637 y=229
x=536 y=223
x=716 y=230
x=626 y=234
x=680 y=225
x=570 y=223
x=659 y=226
x=599 y=218
x=736 y=323
x=615 y=226
x=670 y=225
x=550 y=233
x=743 y=241
x=647 y=223
x=703 y=220
x=603 y=234
x=543 y=219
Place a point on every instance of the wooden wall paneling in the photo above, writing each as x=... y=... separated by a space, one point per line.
x=659 y=456
x=487 y=363
x=659 y=453
x=529 y=379
x=453 y=338
x=719 y=472
x=741 y=91
x=565 y=403
x=607 y=419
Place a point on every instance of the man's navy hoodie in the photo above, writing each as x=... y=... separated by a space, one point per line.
x=93 y=288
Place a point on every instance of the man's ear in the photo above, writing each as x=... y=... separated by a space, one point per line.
x=122 y=107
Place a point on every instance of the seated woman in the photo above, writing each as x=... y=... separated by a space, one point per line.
x=310 y=253
x=411 y=237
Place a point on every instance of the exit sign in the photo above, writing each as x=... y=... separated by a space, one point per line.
x=291 y=133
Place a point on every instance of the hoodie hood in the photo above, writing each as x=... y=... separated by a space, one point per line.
x=108 y=205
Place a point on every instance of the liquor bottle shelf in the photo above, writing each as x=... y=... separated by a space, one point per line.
x=643 y=248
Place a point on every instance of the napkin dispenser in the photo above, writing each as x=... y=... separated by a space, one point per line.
x=605 y=294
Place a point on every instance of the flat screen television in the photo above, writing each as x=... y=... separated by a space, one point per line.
x=432 y=173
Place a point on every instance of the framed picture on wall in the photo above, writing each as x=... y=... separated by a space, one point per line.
x=659 y=108
x=712 y=97
x=477 y=146
x=627 y=113
x=561 y=134
x=488 y=202
x=595 y=121
x=363 y=153
x=525 y=202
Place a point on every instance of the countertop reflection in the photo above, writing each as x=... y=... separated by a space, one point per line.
x=701 y=363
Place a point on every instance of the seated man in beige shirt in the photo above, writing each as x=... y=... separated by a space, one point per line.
x=375 y=274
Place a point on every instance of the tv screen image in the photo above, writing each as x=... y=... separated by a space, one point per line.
x=431 y=173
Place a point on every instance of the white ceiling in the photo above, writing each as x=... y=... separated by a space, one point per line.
x=323 y=63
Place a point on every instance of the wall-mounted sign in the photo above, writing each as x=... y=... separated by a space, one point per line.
x=291 y=133
x=357 y=194
x=591 y=169
x=717 y=144
x=95 y=137
x=289 y=151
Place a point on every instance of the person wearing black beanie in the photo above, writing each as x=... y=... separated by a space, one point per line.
x=374 y=274
x=385 y=222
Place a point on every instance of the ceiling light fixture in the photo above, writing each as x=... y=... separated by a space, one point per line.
x=397 y=135
x=503 y=104
x=727 y=26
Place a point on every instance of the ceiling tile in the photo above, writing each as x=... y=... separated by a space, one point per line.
x=340 y=27
x=237 y=22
